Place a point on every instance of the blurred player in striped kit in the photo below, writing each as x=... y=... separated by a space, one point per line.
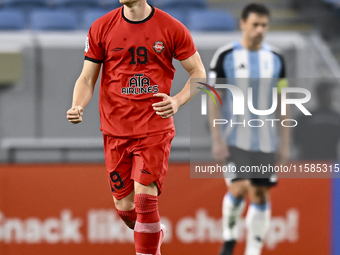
x=248 y=63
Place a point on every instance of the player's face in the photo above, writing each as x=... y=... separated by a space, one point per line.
x=255 y=27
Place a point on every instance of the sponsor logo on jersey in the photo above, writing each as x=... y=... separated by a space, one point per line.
x=139 y=84
x=158 y=46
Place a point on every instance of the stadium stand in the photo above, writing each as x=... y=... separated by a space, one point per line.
x=25 y=6
x=24 y=3
x=178 y=14
x=284 y=17
x=210 y=20
x=77 y=6
x=76 y=3
x=89 y=16
x=53 y=20
x=109 y=4
x=34 y=129
x=12 y=19
x=86 y=11
x=201 y=4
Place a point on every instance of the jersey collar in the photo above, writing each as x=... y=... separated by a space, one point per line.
x=141 y=21
x=238 y=46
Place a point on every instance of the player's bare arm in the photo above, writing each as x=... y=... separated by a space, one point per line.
x=83 y=91
x=169 y=106
x=219 y=147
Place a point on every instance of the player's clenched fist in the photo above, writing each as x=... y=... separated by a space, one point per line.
x=166 y=108
x=75 y=114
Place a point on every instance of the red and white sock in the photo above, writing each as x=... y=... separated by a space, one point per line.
x=147 y=230
x=129 y=217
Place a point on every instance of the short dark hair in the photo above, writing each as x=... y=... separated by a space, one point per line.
x=254 y=8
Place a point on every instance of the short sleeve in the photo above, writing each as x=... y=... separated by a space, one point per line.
x=184 y=46
x=216 y=64
x=93 y=47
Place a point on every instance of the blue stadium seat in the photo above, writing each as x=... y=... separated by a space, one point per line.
x=53 y=20
x=154 y=2
x=178 y=14
x=192 y=4
x=24 y=3
x=11 y=19
x=90 y=16
x=76 y=3
x=109 y=5
x=210 y=20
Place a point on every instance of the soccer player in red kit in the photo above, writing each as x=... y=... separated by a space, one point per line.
x=135 y=46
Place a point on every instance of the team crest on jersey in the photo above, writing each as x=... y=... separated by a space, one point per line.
x=158 y=46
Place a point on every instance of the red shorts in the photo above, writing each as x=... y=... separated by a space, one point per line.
x=144 y=160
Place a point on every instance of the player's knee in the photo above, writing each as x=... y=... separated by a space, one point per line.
x=151 y=189
x=260 y=195
x=239 y=189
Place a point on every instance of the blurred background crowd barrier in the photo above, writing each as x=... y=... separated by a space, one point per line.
x=52 y=209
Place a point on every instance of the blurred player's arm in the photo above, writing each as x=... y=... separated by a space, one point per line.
x=169 y=106
x=283 y=152
x=219 y=148
x=83 y=91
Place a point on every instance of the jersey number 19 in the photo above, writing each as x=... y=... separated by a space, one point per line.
x=142 y=55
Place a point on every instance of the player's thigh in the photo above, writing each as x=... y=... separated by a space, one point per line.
x=118 y=163
x=259 y=191
x=239 y=188
x=238 y=182
x=150 y=161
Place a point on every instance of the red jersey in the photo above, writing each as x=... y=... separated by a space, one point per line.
x=137 y=63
